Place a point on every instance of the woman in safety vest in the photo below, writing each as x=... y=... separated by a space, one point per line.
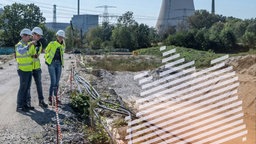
x=54 y=59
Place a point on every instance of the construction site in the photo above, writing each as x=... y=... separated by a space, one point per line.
x=131 y=97
x=122 y=88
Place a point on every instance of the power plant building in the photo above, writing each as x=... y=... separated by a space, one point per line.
x=85 y=22
x=173 y=13
x=56 y=25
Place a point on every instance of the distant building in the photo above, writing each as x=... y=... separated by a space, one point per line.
x=56 y=26
x=1 y=10
x=85 y=22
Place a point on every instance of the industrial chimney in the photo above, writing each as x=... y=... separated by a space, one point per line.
x=78 y=7
x=213 y=6
x=172 y=13
x=54 y=14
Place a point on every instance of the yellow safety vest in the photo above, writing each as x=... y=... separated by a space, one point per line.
x=51 y=50
x=25 y=61
x=36 y=54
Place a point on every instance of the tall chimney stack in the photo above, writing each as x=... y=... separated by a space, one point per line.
x=213 y=6
x=78 y=7
x=54 y=14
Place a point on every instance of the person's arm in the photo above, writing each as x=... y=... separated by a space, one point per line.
x=23 y=49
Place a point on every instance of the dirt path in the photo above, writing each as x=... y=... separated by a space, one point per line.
x=22 y=127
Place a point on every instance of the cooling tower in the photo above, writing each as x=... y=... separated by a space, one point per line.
x=172 y=13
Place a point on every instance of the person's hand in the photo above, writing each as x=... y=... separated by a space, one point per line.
x=32 y=43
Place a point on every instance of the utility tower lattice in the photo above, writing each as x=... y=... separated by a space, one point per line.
x=106 y=15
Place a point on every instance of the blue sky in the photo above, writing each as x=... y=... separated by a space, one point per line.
x=145 y=11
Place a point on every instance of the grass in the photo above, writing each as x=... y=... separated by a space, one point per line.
x=150 y=58
x=125 y=63
x=202 y=58
x=250 y=52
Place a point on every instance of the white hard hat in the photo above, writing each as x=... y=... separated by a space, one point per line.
x=37 y=30
x=60 y=33
x=25 y=31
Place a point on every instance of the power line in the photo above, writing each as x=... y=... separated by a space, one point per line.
x=106 y=15
x=66 y=12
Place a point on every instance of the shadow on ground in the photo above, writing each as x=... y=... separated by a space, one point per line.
x=43 y=117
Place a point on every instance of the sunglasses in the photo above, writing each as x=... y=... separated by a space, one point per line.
x=26 y=35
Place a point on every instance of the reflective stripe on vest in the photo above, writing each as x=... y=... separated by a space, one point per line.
x=25 y=64
x=23 y=56
x=25 y=61
x=36 y=61
x=51 y=50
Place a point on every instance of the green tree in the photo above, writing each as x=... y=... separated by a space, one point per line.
x=202 y=39
x=17 y=16
x=94 y=37
x=106 y=31
x=154 y=38
x=228 y=40
x=125 y=34
x=239 y=29
x=249 y=39
x=251 y=27
x=129 y=34
x=204 y=19
x=214 y=36
x=100 y=37
x=126 y=19
x=179 y=39
x=122 y=38
x=142 y=35
x=73 y=39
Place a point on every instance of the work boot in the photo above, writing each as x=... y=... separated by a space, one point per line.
x=50 y=100
x=22 y=109
x=43 y=104
x=29 y=107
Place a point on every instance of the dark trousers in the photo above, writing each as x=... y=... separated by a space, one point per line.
x=37 y=77
x=24 y=89
x=36 y=74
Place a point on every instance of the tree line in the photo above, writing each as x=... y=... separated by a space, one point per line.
x=208 y=31
x=203 y=31
x=17 y=16
x=126 y=34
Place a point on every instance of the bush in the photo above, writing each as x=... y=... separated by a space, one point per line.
x=80 y=103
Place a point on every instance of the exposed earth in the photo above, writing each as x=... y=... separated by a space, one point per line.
x=39 y=126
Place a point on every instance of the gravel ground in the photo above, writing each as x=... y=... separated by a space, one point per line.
x=39 y=126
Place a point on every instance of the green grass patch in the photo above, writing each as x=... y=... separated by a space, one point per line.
x=250 y=52
x=202 y=58
x=150 y=58
x=125 y=63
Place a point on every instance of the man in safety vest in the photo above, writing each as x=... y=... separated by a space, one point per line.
x=25 y=66
x=54 y=59
x=37 y=33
